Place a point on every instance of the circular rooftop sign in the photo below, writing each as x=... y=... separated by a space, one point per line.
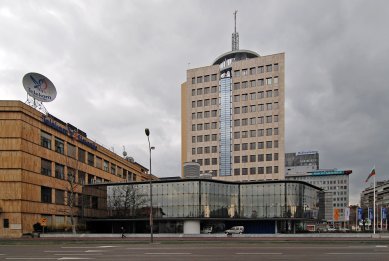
x=39 y=87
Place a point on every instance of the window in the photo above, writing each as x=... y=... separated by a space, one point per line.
x=206 y=126
x=199 y=79
x=45 y=194
x=45 y=140
x=214 y=149
x=214 y=125
x=260 y=132
x=253 y=121
x=261 y=82
x=207 y=150
x=269 y=106
x=237 y=122
x=199 y=103
x=236 y=98
x=236 y=110
x=275 y=131
x=244 y=85
x=193 y=139
x=269 y=94
x=244 y=97
x=253 y=133
x=245 y=146
x=71 y=176
x=269 y=144
x=193 y=104
x=214 y=101
x=214 y=137
x=244 y=171
x=45 y=167
x=193 y=116
x=269 y=170
x=200 y=161
x=252 y=70
x=193 y=80
x=244 y=109
x=236 y=147
x=252 y=83
x=268 y=81
x=213 y=77
x=276 y=93
x=81 y=177
x=244 y=72
x=252 y=171
x=200 y=138
x=81 y=155
x=275 y=106
x=94 y=202
x=275 y=79
x=236 y=172
x=5 y=223
x=237 y=73
x=214 y=161
x=214 y=113
x=59 y=197
x=275 y=157
x=193 y=92
x=113 y=169
x=244 y=122
x=269 y=157
x=253 y=96
x=193 y=151
x=269 y=132
x=260 y=69
x=268 y=68
x=260 y=120
x=193 y=127
x=237 y=135
x=91 y=159
x=207 y=138
x=91 y=179
x=199 y=127
x=207 y=90
x=200 y=91
x=59 y=146
x=276 y=67
x=269 y=119
x=260 y=145
x=236 y=86
x=207 y=162
x=59 y=171
x=260 y=95
x=275 y=118
x=214 y=89
x=106 y=166
x=260 y=157
x=260 y=170
x=244 y=134
x=206 y=78
x=253 y=158
x=207 y=114
x=199 y=150
x=236 y=159
x=206 y=102
x=252 y=145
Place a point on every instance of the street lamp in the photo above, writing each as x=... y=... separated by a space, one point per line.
x=147 y=131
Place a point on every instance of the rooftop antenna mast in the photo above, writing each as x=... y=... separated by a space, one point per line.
x=235 y=35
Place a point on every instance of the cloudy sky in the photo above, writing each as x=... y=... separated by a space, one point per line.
x=118 y=66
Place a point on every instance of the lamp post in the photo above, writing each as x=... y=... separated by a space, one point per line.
x=147 y=131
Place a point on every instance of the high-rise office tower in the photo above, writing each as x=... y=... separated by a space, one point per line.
x=233 y=115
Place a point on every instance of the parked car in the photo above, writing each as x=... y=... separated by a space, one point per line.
x=207 y=230
x=331 y=229
x=235 y=230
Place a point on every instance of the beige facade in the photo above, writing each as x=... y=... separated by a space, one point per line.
x=38 y=156
x=255 y=110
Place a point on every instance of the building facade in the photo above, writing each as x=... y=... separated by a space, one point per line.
x=233 y=116
x=301 y=162
x=336 y=185
x=44 y=165
x=190 y=205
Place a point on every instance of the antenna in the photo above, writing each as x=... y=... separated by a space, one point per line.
x=124 y=152
x=235 y=35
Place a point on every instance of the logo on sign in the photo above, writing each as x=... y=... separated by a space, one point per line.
x=39 y=87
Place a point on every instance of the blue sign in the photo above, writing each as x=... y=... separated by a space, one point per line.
x=370 y=212
x=384 y=213
x=360 y=213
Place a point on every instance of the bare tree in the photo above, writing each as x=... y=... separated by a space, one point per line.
x=126 y=201
x=71 y=195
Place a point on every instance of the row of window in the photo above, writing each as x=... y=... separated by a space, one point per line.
x=80 y=177
x=205 y=150
x=206 y=102
x=205 y=126
x=255 y=133
x=253 y=108
x=256 y=70
x=205 y=78
x=256 y=120
x=256 y=158
x=256 y=95
x=254 y=83
x=255 y=170
x=207 y=162
x=82 y=156
x=205 y=90
x=256 y=145
x=205 y=138
x=78 y=199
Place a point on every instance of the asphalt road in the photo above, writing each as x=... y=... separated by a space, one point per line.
x=187 y=251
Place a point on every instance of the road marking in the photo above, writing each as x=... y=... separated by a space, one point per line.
x=64 y=251
x=94 y=251
x=381 y=246
x=107 y=246
x=31 y=258
x=167 y=253
x=258 y=253
x=355 y=253
x=79 y=254
x=74 y=258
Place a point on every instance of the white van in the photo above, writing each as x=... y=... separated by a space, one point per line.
x=235 y=230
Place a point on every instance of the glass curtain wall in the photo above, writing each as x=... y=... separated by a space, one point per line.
x=225 y=124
